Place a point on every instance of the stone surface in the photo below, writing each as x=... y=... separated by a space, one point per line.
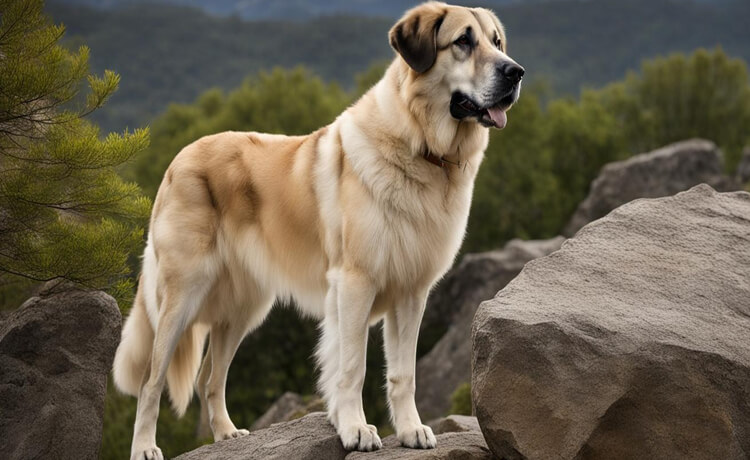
x=630 y=342
x=454 y=424
x=282 y=410
x=313 y=438
x=308 y=438
x=478 y=277
x=55 y=353
x=468 y=445
x=663 y=172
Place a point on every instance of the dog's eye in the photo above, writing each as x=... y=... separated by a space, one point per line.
x=463 y=40
x=498 y=44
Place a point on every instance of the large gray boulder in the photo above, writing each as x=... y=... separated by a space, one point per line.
x=630 y=342
x=55 y=353
x=663 y=172
x=477 y=278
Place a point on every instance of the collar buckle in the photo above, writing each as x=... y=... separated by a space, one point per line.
x=438 y=161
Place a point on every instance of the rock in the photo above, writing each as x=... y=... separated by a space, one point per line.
x=487 y=272
x=55 y=354
x=454 y=424
x=289 y=407
x=281 y=410
x=313 y=438
x=478 y=277
x=308 y=438
x=663 y=172
x=631 y=341
x=743 y=169
x=467 y=445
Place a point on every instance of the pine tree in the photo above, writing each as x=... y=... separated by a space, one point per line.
x=65 y=214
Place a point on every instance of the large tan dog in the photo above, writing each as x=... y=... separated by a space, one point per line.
x=355 y=222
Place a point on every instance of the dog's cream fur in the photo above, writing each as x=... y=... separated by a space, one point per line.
x=350 y=221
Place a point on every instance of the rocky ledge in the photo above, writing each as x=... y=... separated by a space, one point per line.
x=313 y=438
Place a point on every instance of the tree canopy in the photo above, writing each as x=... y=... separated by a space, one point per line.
x=65 y=213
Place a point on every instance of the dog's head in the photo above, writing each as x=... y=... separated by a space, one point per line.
x=458 y=55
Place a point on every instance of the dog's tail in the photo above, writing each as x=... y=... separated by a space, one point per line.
x=133 y=356
x=184 y=366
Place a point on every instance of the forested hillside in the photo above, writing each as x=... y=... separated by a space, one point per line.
x=168 y=53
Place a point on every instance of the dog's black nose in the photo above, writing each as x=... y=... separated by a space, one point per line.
x=511 y=71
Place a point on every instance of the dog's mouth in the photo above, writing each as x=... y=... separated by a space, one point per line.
x=495 y=116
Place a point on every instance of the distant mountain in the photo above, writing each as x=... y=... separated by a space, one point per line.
x=306 y=9
x=277 y=9
x=167 y=53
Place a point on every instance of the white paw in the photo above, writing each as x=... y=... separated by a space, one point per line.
x=151 y=453
x=362 y=437
x=232 y=434
x=418 y=437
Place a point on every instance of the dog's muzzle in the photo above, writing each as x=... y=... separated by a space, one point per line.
x=462 y=106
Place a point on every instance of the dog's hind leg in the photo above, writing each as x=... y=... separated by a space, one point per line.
x=400 y=331
x=204 y=426
x=226 y=337
x=180 y=303
x=356 y=293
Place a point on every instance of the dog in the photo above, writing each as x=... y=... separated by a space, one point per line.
x=356 y=222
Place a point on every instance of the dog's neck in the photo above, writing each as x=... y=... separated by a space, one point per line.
x=444 y=141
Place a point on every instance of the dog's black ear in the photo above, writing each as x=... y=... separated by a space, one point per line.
x=414 y=37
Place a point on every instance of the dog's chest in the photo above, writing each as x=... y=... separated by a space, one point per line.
x=413 y=233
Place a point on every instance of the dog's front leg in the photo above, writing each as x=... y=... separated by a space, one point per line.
x=400 y=332
x=356 y=293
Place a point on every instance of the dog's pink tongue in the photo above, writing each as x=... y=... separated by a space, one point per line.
x=499 y=117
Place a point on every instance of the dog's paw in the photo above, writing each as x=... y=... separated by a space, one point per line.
x=363 y=438
x=151 y=453
x=418 y=437
x=233 y=434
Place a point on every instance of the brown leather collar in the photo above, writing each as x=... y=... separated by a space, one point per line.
x=438 y=161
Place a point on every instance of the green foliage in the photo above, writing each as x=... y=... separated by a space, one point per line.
x=461 y=400
x=704 y=95
x=64 y=212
